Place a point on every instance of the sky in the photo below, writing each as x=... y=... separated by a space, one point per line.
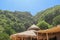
x=32 y=6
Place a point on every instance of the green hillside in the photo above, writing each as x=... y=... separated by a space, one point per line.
x=14 y=22
x=49 y=16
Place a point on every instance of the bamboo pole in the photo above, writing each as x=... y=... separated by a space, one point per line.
x=15 y=38
x=22 y=38
x=37 y=35
x=31 y=37
x=47 y=36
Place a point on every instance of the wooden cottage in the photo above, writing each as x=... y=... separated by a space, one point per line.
x=26 y=35
x=34 y=33
x=49 y=34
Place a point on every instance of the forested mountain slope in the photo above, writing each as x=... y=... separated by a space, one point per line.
x=13 y=22
x=50 y=16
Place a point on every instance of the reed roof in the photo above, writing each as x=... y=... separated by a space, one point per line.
x=34 y=27
x=52 y=30
x=27 y=33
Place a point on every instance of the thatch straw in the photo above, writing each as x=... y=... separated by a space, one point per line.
x=27 y=33
x=52 y=30
x=34 y=27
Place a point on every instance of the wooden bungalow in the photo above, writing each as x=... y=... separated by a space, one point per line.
x=26 y=35
x=49 y=34
x=34 y=33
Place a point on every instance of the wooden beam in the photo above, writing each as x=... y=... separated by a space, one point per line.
x=43 y=39
x=31 y=37
x=47 y=36
x=15 y=37
x=22 y=38
x=37 y=35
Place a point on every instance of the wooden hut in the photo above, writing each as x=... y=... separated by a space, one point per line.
x=49 y=34
x=26 y=35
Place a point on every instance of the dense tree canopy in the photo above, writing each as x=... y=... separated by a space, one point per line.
x=56 y=20
x=13 y=22
x=44 y=25
x=4 y=36
x=49 y=15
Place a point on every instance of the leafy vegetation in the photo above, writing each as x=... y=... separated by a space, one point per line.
x=50 y=15
x=44 y=25
x=4 y=36
x=13 y=22
x=56 y=20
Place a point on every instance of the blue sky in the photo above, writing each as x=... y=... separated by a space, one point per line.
x=32 y=6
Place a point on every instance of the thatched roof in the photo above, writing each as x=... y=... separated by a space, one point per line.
x=13 y=36
x=30 y=33
x=52 y=30
x=34 y=27
x=27 y=33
